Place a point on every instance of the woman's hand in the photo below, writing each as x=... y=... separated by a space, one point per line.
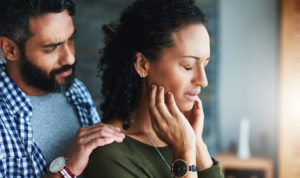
x=183 y=132
x=196 y=118
x=170 y=124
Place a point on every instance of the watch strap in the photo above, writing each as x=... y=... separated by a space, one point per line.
x=193 y=168
x=66 y=173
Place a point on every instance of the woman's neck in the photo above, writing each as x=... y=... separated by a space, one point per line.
x=142 y=129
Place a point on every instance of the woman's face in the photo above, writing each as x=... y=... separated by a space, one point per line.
x=181 y=68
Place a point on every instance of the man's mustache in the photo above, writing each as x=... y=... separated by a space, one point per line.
x=61 y=69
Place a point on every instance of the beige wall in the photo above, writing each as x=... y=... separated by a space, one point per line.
x=289 y=119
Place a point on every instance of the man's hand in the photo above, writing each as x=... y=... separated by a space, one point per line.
x=86 y=140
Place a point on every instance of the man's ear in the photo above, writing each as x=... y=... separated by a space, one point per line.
x=9 y=49
x=141 y=65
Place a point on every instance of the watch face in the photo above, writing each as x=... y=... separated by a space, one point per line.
x=179 y=168
x=57 y=164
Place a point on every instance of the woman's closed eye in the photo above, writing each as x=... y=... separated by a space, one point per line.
x=187 y=68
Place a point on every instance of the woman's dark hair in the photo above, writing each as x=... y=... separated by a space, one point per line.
x=145 y=26
x=15 y=14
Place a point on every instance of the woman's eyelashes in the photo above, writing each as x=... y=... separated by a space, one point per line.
x=187 y=68
x=189 y=65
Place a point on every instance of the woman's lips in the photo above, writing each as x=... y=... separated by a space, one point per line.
x=192 y=96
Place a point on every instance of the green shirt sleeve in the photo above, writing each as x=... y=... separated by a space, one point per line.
x=213 y=172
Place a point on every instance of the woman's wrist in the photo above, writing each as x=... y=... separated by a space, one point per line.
x=188 y=156
x=185 y=152
x=184 y=144
x=203 y=157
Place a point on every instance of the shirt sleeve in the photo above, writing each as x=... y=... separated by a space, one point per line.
x=213 y=172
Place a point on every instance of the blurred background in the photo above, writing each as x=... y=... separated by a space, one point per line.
x=254 y=80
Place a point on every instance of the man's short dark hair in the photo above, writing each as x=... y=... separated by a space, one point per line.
x=15 y=15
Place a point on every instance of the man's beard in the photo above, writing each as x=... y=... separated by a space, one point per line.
x=38 y=78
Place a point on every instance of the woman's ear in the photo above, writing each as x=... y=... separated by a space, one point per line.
x=141 y=65
x=9 y=49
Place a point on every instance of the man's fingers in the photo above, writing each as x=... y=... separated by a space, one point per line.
x=99 y=125
x=96 y=142
x=106 y=128
x=99 y=142
x=85 y=131
x=101 y=133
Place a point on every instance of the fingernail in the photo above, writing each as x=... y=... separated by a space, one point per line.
x=161 y=87
x=153 y=85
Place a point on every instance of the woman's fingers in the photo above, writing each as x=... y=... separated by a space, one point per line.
x=172 y=107
x=155 y=115
x=197 y=112
x=161 y=105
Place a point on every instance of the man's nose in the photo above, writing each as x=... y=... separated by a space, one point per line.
x=68 y=55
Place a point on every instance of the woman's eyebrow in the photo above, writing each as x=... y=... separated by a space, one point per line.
x=194 y=57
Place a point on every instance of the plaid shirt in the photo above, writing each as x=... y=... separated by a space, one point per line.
x=19 y=154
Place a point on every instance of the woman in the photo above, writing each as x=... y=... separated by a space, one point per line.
x=153 y=66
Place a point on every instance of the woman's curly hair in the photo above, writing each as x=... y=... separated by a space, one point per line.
x=145 y=26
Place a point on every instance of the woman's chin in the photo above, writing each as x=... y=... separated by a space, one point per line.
x=186 y=107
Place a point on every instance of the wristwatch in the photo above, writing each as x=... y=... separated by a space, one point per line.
x=58 y=166
x=180 y=168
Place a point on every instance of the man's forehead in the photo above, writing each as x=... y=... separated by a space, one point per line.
x=52 y=27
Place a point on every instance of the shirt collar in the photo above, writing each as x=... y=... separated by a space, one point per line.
x=15 y=99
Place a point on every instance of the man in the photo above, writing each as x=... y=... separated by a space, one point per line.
x=42 y=104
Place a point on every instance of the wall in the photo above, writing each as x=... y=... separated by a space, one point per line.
x=248 y=76
x=90 y=17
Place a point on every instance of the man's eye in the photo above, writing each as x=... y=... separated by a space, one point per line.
x=51 y=49
x=188 y=68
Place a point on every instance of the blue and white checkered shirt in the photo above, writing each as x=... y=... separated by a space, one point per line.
x=19 y=154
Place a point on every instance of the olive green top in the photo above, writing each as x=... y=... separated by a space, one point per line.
x=132 y=158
